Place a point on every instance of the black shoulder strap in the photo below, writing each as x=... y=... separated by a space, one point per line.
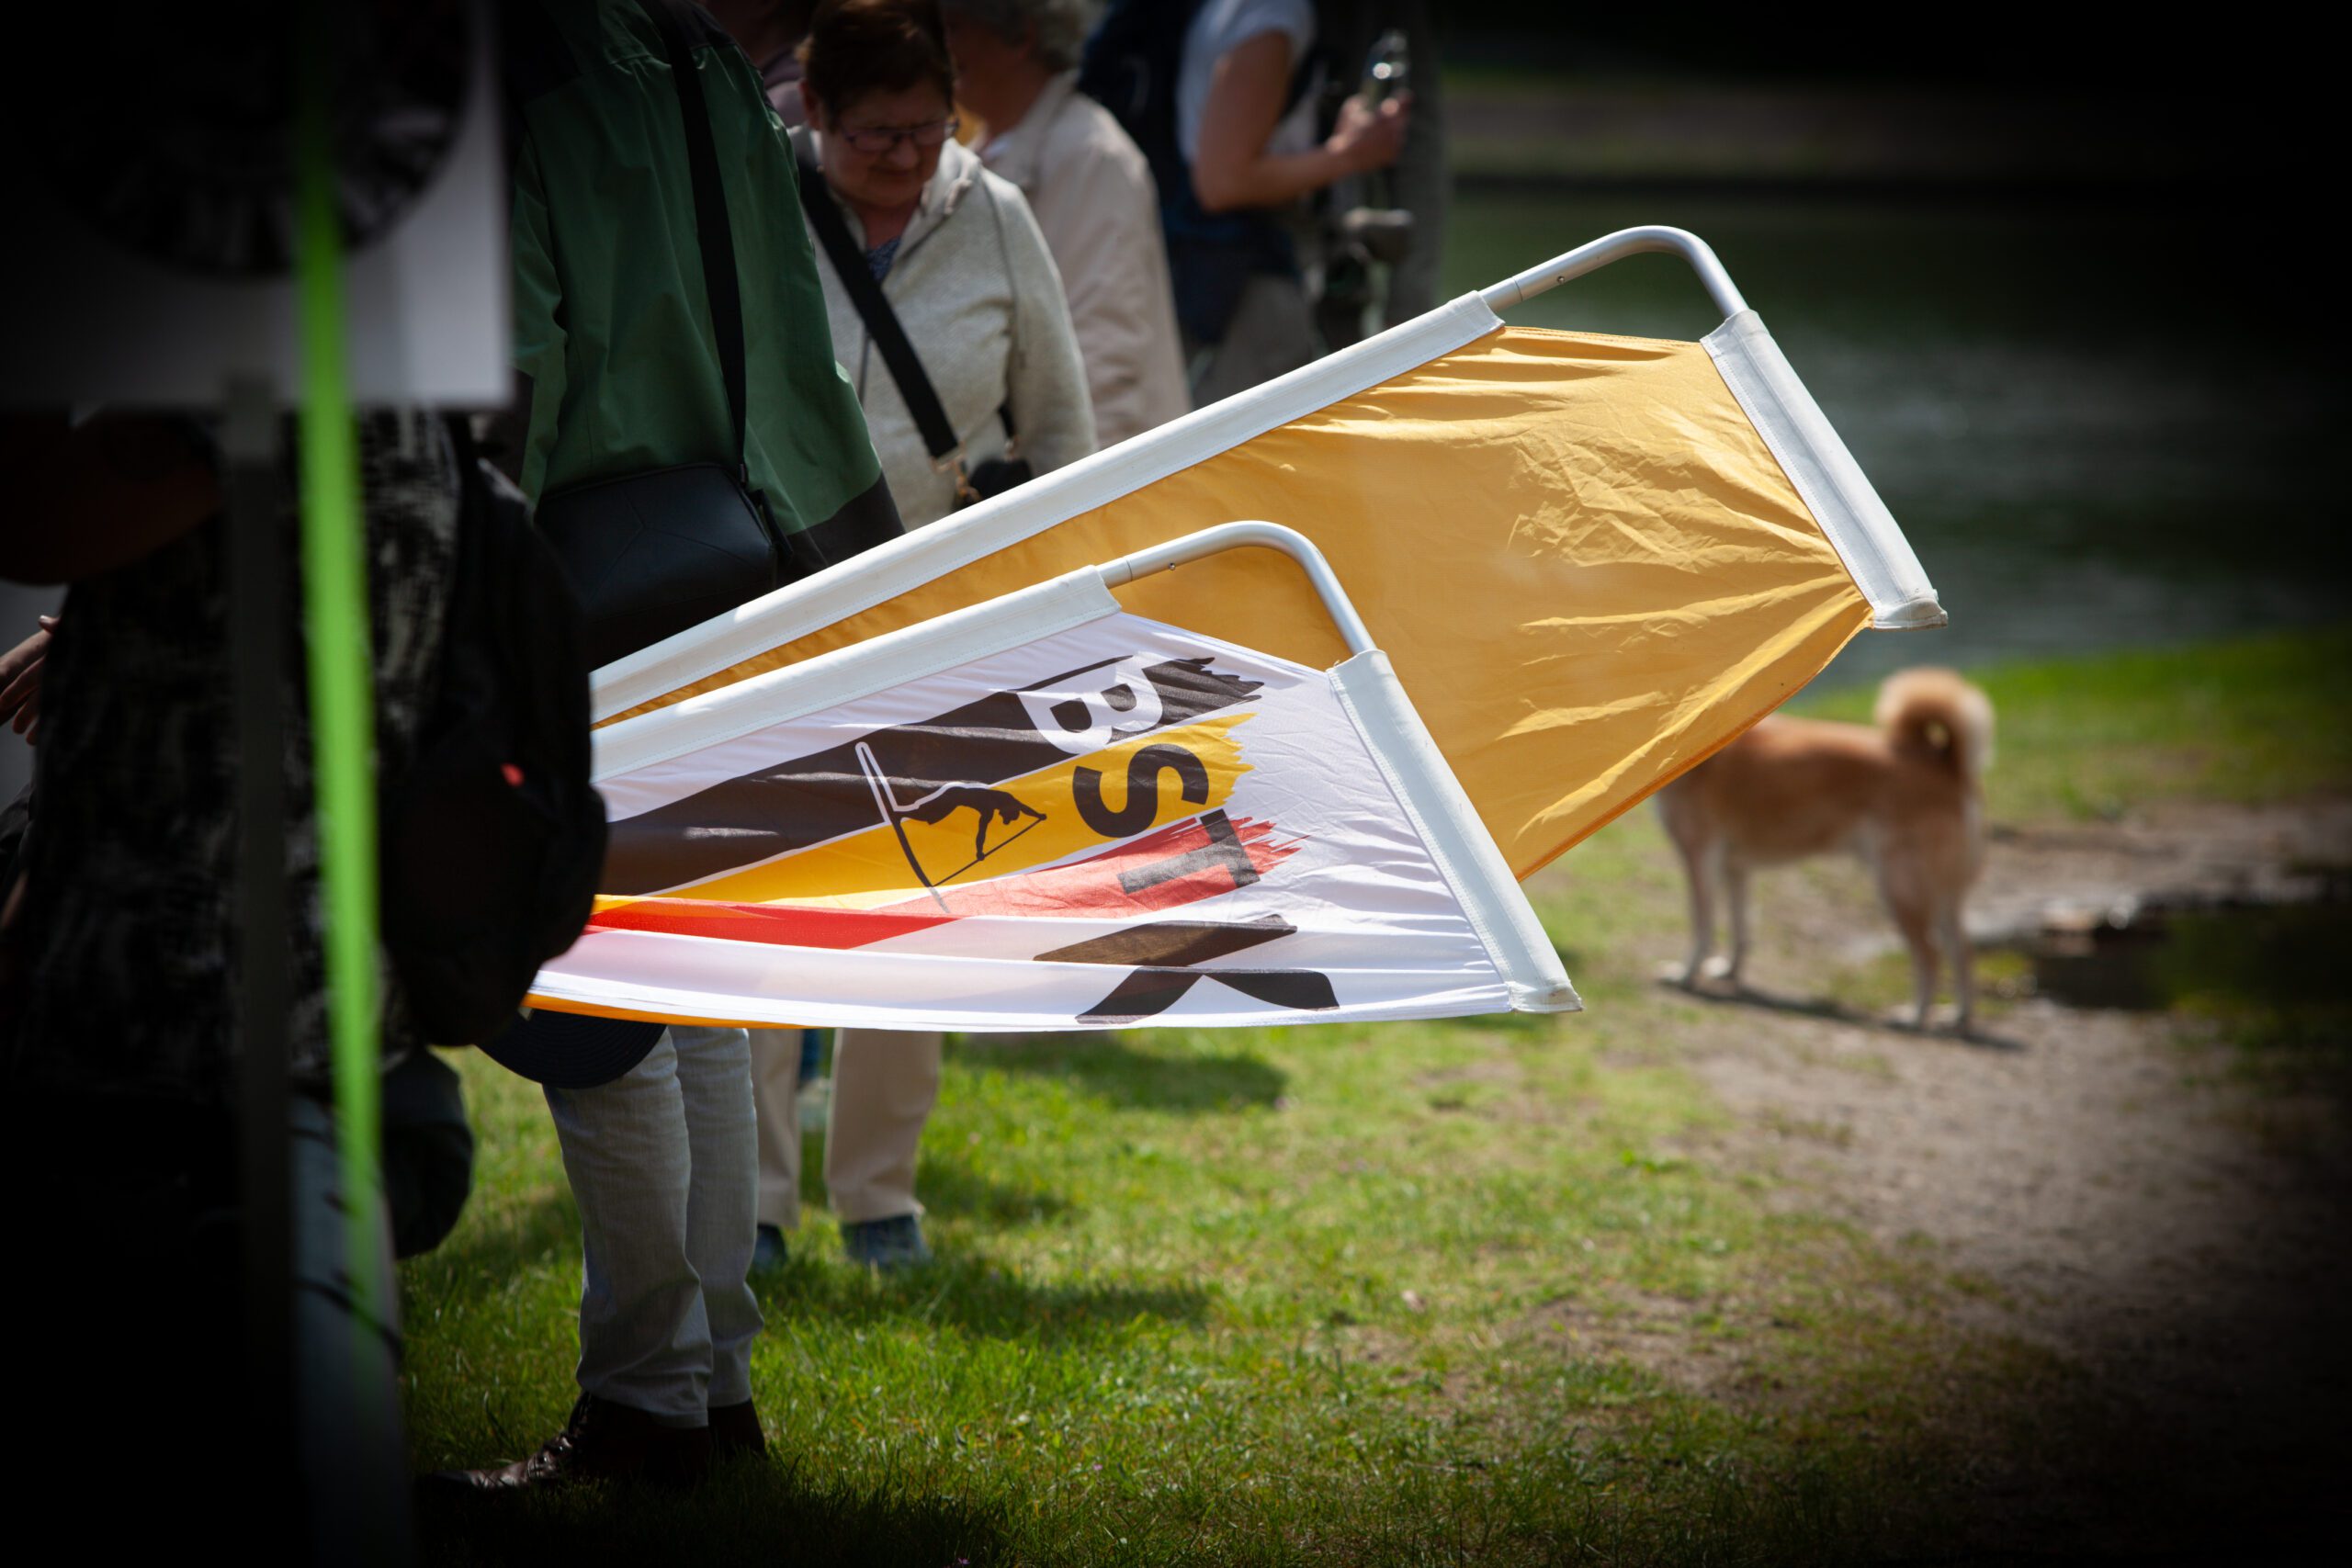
x=714 y=236
x=874 y=306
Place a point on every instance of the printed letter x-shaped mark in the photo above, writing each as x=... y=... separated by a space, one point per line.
x=1160 y=958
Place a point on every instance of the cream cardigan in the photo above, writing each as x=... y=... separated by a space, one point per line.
x=976 y=291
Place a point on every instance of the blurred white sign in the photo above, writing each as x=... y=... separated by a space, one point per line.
x=92 y=319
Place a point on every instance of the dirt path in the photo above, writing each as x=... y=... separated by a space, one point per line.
x=2173 y=1236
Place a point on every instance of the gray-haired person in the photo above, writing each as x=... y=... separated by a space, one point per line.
x=1092 y=191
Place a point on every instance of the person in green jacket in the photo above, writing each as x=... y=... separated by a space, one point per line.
x=613 y=334
x=612 y=325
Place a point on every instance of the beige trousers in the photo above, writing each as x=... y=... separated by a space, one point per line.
x=884 y=1083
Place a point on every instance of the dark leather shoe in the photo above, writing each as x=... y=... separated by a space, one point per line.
x=769 y=1252
x=735 y=1432
x=602 y=1442
x=886 y=1245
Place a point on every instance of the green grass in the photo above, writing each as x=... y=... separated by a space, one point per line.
x=2249 y=720
x=1355 y=1300
x=2268 y=984
x=1483 y=1292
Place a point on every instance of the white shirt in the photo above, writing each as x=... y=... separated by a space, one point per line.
x=1218 y=28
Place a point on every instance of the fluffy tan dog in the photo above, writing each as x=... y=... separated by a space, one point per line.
x=1906 y=796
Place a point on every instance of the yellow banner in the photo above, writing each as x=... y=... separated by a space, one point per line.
x=1587 y=566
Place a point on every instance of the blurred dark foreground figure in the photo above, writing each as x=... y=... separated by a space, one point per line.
x=120 y=1010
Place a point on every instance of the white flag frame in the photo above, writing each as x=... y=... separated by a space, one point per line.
x=1832 y=484
x=1365 y=686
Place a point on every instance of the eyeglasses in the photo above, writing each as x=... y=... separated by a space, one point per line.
x=873 y=138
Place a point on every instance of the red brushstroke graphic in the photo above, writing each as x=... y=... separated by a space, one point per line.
x=1175 y=866
x=785 y=925
x=1091 y=887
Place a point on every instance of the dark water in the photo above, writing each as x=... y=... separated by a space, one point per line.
x=2099 y=424
x=2281 y=959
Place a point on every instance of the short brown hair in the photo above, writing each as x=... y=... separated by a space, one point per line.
x=856 y=47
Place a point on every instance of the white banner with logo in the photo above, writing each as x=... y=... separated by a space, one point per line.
x=1044 y=813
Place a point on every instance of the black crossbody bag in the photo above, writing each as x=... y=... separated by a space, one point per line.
x=991 y=477
x=653 y=553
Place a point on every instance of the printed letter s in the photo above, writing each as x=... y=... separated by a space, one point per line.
x=1141 y=808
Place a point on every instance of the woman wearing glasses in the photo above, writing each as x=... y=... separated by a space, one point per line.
x=964 y=272
x=955 y=251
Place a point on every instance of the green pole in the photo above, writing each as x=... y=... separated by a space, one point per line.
x=343 y=729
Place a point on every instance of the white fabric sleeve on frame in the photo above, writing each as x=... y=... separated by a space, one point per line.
x=908 y=562
x=1449 y=826
x=846 y=674
x=1859 y=525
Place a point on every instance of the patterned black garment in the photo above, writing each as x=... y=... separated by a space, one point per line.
x=130 y=948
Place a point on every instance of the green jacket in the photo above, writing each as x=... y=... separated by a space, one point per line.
x=611 y=323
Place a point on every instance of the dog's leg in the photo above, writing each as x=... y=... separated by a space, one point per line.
x=1697 y=872
x=1918 y=927
x=1963 y=968
x=1735 y=890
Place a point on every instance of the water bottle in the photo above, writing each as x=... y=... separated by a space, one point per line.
x=1367 y=227
x=1388 y=71
x=1378 y=229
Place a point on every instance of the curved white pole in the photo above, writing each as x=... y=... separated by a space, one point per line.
x=1238 y=536
x=1613 y=247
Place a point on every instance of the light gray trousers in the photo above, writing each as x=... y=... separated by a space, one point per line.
x=664 y=1161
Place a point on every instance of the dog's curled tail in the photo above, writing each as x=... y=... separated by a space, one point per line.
x=1935 y=711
